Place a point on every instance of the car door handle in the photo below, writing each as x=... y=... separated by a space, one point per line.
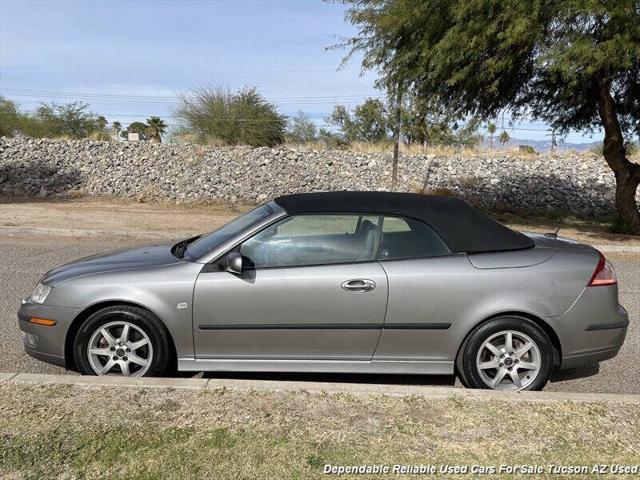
x=359 y=285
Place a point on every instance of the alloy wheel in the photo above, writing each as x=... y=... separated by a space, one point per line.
x=508 y=360
x=120 y=348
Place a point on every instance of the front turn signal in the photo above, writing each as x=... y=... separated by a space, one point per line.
x=43 y=321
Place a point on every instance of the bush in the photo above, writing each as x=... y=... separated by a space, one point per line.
x=234 y=118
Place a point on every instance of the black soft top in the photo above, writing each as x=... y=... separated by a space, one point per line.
x=463 y=228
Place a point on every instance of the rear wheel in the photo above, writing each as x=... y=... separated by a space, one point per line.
x=506 y=353
x=122 y=340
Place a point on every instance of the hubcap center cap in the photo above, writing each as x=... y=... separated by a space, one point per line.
x=120 y=352
x=508 y=361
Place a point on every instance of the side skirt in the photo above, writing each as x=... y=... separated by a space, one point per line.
x=316 y=366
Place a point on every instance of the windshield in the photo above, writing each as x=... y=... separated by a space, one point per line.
x=206 y=243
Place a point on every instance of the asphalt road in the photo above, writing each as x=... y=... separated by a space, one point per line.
x=23 y=260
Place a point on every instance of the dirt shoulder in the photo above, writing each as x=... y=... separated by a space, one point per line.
x=117 y=215
x=65 y=431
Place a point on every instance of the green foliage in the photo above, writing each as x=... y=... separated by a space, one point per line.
x=301 y=129
x=72 y=120
x=369 y=122
x=101 y=122
x=155 y=129
x=116 y=127
x=10 y=117
x=480 y=57
x=234 y=118
x=503 y=138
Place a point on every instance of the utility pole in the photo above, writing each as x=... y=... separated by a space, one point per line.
x=396 y=136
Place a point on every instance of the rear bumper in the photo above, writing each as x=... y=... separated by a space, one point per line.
x=43 y=342
x=593 y=329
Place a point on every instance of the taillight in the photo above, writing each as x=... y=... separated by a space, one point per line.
x=604 y=274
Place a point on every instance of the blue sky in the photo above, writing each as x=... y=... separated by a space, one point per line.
x=129 y=58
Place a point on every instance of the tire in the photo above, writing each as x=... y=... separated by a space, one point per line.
x=484 y=361
x=147 y=351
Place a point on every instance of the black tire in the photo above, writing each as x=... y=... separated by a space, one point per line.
x=163 y=358
x=466 y=361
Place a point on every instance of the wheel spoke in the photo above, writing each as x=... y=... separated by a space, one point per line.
x=522 y=350
x=125 y=369
x=107 y=366
x=515 y=378
x=490 y=364
x=108 y=337
x=498 y=378
x=136 y=359
x=125 y=333
x=527 y=365
x=493 y=349
x=101 y=351
x=508 y=344
x=140 y=343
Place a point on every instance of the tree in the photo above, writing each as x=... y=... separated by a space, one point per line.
x=9 y=117
x=234 y=118
x=155 y=129
x=67 y=120
x=491 y=130
x=101 y=122
x=575 y=64
x=302 y=130
x=503 y=138
x=117 y=128
x=369 y=121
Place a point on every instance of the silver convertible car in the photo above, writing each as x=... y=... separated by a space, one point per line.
x=359 y=282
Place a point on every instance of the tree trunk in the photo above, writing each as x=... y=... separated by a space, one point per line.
x=627 y=173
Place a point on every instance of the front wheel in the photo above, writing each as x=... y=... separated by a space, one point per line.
x=506 y=353
x=122 y=340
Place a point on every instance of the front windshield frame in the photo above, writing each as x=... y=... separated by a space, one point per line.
x=273 y=212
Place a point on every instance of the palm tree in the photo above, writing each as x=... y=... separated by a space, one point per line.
x=503 y=138
x=101 y=122
x=117 y=128
x=491 y=128
x=155 y=129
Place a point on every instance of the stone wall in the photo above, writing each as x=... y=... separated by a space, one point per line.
x=581 y=183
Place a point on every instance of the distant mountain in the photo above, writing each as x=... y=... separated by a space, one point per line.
x=542 y=145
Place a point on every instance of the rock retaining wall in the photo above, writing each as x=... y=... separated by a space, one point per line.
x=579 y=183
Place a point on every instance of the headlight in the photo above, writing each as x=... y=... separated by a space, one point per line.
x=39 y=295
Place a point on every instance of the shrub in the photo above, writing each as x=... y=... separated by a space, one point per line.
x=235 y=118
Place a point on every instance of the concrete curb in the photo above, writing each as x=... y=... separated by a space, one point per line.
x=430 y=392
x=178 y=234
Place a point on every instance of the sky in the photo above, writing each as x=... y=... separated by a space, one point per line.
x=128 y=59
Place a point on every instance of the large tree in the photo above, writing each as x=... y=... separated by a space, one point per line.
x=572 y=63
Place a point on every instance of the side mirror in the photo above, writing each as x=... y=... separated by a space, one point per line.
x=234 y=263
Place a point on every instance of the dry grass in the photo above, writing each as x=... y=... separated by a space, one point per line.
x=83 y=432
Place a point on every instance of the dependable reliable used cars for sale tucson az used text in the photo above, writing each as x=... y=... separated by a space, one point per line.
x=360 y=282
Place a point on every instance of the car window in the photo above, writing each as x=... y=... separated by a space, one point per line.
x=408 y=238
x=313 y=240
x=205 y=244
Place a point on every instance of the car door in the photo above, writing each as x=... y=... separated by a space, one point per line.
x=427 y=293
x=310 y=288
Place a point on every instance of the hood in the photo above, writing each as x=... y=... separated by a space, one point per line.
x=128 y=258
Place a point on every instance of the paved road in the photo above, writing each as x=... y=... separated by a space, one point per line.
x=24 y=260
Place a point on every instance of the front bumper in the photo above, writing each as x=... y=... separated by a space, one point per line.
x=593 y=329
x=43 y=342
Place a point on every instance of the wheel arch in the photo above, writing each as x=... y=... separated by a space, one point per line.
x=539 y=322
x=90 y=310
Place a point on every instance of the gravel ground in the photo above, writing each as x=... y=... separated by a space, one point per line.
x=23 y=260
